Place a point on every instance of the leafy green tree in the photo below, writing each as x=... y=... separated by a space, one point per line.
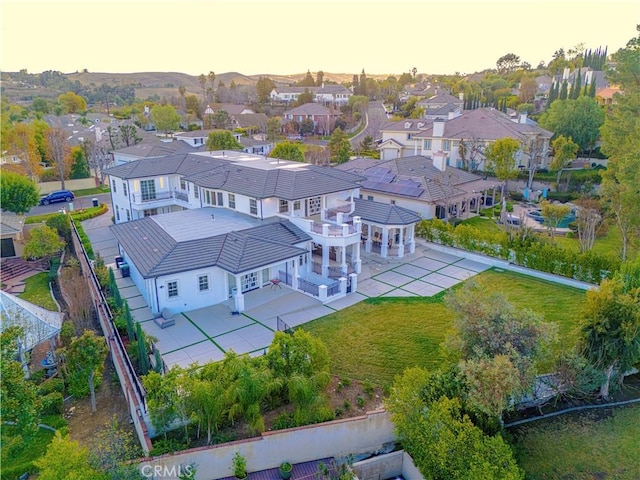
x=492 y=335
x=20 y=140
x=339 y=146
x=307 y=81
x=264 y=86
x=578 y=119
x=221 y=119
x=500 y=157
x=73 y=102
x=43 y=242
x=304 y=98
x=553 y=215
x=507 y=63
x=564 y=151
x=129 y=134
x=165 y=118
x=19 y=396
x=79 y=164
x=66 y=459
x=288 y=151
x=610 y=333
x=85 y=357
x=621 y=142
x=111 y=450
x=307 y=127
x=442 y=440
x=17 y=193
x=162 y=398
x=222 y=140
x=274 y=127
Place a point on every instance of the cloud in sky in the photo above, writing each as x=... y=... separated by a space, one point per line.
x=280 y=37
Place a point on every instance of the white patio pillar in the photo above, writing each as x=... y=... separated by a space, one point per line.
x=384 y=247
x=325 y=260
x=343 y=259
x=238 y=297
x=357 y=263
x=296 y=274
x=401 y=243
x=343 y=285
x=411 y=237
x=368 y=242
x=322 y=293
x=354 y=282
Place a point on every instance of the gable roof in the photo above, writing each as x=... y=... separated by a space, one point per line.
x=442 y=98
x=11 y=223
x=384 y=213
x=156 y=252
x=311 y=109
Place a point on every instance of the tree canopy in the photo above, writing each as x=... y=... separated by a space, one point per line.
x=165 y=118
x=43 y=242
x=17 y=193
x=579 y=119
x=288 y=151
x=222 y=140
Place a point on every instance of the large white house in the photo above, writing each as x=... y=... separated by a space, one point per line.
x=197 y=229
x=324 y=95
x=472 y=128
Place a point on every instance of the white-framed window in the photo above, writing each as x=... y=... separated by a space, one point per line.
x=117 y=213
x=172 y=289
x=370 y=197
x=113 y=186
x=203 y=283
x=232 y=200
x=183 y=184
x=393 y=202
x=249 y=282
x=283 y=206
x=296 y=205
x=148 y=189
x=314 y=205
x=150 y=212
x=196 y=192
x=128 y=215
x=220 y=200
x=446 y=145
x=427 y=144
x=124 y=188
x=253 y=206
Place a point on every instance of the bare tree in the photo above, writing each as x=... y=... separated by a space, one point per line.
x=589 y=219
x=99 y=156
x=469 y=150
x=77 y=297
x=533 y=148
x=58 y=150
x=446 y=182
x=317 y=155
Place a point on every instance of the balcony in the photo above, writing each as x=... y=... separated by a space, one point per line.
x=155 y=200
x=328 y=233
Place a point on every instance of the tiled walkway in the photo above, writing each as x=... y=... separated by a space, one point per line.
x=206 y=334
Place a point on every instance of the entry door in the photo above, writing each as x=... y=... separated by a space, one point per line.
x=249 y=282
x=6 y=248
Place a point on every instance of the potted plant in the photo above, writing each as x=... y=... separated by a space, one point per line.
x=285 y=470
x=239 y=466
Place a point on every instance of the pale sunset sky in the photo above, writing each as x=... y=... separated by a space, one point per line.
x=286 y=37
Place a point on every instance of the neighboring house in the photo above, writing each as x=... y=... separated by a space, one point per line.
x=199 y=229
x=10 y=159
x=325 y=94
x=253 y=145
x=420 y=184
x=440 y=100
x=605 y=96
x=230 y=108
x=158 y=147
x=257 y=121
x=323 y=118
x=476 y=128
x=11 y=226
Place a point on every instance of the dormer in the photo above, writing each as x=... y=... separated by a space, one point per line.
x=407 y=124
x=420 y=124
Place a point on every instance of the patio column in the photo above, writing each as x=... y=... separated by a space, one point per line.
x=354 y=282
x=357 y=263
x=296 y=274
x=411 y=237
x=384 y=247
x=343 y=260
x=325 y=261
x=401 y=243
x=238 y=298
x=368 y=242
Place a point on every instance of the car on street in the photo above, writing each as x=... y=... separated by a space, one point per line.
x=57 y=196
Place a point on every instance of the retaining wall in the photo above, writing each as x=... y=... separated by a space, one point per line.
x=77 y=184
x=365 y=434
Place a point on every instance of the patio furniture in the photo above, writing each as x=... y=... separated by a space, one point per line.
x=165 y=320
x=275 y=283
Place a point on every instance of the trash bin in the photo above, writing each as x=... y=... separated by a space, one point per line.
x=95 y=202
x=119 y=261
x=124 y=268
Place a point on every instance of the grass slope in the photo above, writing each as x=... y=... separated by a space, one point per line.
x=37 y=291
x=378 y=338
x=584 y=446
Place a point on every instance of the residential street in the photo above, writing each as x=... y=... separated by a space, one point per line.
x=376 y=119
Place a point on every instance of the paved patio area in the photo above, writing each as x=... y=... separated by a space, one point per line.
x=206 y=334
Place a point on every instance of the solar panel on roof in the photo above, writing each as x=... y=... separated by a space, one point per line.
x=395 y=188
x=377 y=171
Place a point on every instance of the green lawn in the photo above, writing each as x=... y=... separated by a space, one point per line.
x=378 y=338
x=581 y=446
x=92 y=191
x=37 y=291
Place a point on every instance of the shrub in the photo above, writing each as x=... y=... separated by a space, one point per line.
x=50 y=386
x=51 y=404
x=360 y=401
x=61 y=223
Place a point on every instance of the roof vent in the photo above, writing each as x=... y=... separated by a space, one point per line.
x=213 y=217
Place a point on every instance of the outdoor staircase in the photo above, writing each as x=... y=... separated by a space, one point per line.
x=12 y=268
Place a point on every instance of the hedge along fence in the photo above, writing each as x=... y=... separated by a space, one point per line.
x=527 y=252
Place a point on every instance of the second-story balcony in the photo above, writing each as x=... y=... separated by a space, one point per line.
x=330 y=233
x=159 y=199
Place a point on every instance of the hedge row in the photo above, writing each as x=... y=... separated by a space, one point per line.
x=529 y=251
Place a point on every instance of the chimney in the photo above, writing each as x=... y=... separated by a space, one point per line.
x=523 y=117
x=322 y=85
x=438 y=127
x=451 y=115
x=461 y=96
x=440 y=161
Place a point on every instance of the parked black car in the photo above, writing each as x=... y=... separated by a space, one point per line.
x=57 y=196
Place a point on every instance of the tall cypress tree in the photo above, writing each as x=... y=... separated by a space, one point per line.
x=553 y=93
x=578 y=86
x=563 y=90
x=592 y=89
